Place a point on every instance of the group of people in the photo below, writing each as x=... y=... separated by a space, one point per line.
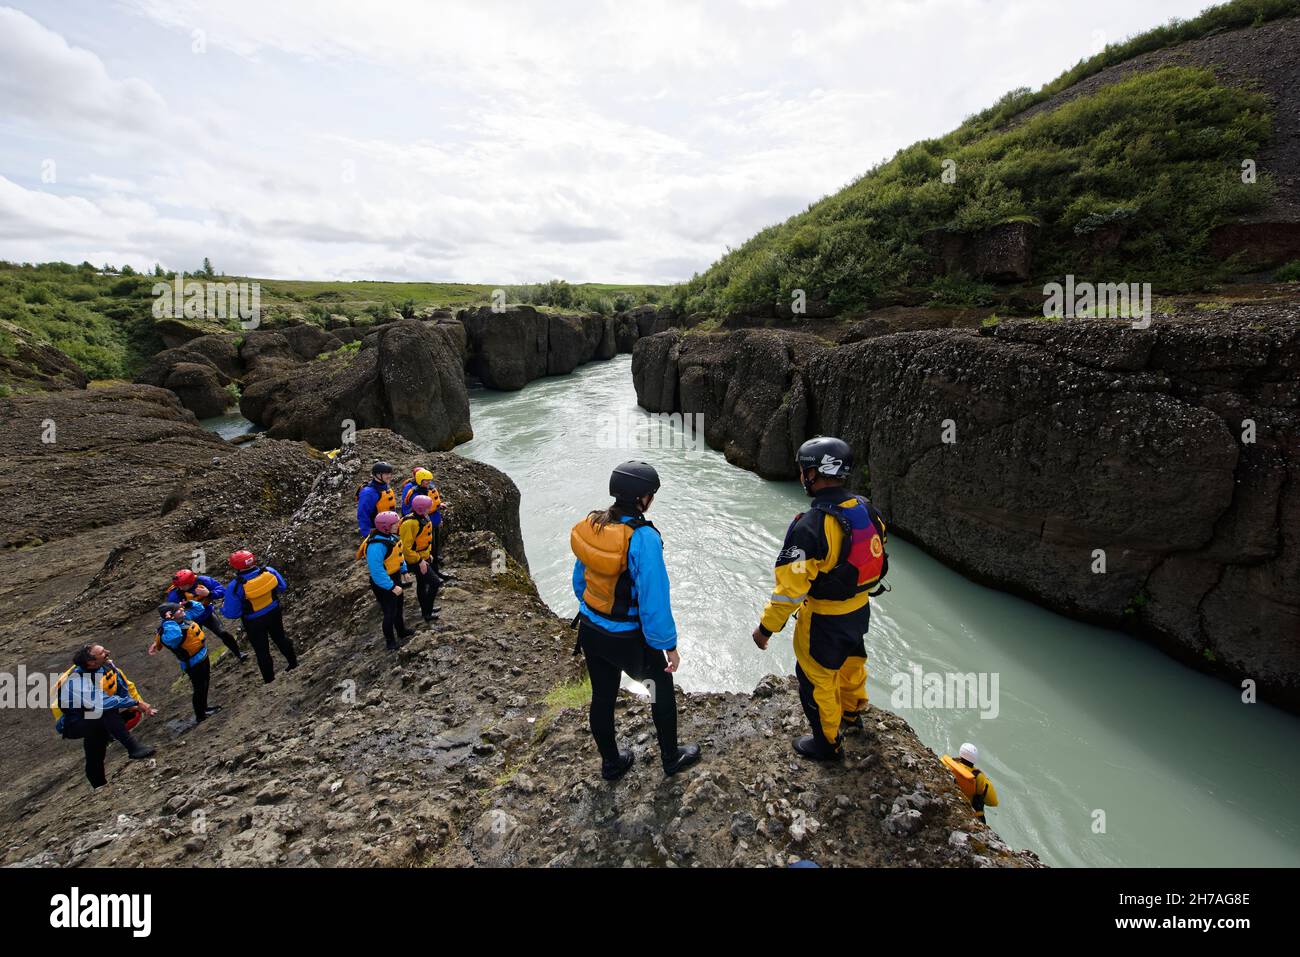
x=832 y=562
x=399 y=537
x=96 y=702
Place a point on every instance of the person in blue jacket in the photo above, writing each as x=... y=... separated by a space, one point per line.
x=180 y=633
x=382 y=550
x=253 y=596
x=208 y=592
x=625 y=619
x=375 y=496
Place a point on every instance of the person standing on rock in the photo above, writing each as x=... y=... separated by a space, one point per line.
x=417 y=533
x=374 y=497
x=625 y=618
x=973 y=782
x=96 y=702
x=180 y=633
x=187 y=586
x=832 y=559
x=382 y=551
x=253 y=596
x=422 y=484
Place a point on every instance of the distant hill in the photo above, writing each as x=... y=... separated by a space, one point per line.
x=103 y=318
x=1121 y=169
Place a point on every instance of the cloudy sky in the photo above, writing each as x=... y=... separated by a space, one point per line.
x=498 y=142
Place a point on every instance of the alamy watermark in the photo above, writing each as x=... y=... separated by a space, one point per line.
x=180 y=299
x=951 y=691
x=1109 y=300
x=652 y=431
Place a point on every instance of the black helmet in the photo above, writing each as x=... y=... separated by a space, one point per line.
x=167 y=608
x=631 y=480
x=379 y=468
x=830 y=456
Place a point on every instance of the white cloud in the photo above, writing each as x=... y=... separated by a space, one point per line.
x=483 y=140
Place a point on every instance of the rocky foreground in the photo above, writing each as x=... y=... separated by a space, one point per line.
x=467 y=747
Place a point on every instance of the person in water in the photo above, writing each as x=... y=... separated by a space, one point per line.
x=417 y=533
x=253 y=596
x=187 y=586
x=832 y=557
x=180 y=633
x=625 y=619
x=95 y=701
x=973 y=782
x=382 y=551
x=374 y=497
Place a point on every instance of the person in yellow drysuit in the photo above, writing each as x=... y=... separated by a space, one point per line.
x=973 y=782
x=832 y=559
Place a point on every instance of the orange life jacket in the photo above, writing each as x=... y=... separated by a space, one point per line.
x=603 y=553
x=967 y=777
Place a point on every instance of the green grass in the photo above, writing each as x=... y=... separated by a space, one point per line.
x=575 y=695
x=104 y=319
x=1290 y=272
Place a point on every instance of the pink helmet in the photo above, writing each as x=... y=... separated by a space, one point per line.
x=387 y=521
x=421 y=504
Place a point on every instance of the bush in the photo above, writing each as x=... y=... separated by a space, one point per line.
x=1290 y=272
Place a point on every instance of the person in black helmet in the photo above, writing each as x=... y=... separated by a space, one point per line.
x=832 y=559
x=625 y=620
x=374 y=497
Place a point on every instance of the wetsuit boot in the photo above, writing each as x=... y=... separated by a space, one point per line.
x=687 y=755
x=613 y=770
x=814 y=747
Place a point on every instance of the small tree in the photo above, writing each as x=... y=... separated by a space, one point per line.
x=157 y=270
x=207 y=272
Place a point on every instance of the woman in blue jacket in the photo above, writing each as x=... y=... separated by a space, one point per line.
x=625 y=619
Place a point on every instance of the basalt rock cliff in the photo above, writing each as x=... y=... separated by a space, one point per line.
x=1140 y=478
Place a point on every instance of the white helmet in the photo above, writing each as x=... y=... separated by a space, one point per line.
x=969 y=753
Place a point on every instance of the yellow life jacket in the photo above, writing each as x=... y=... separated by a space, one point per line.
x=58 y=712
x=603 y=553
x=192 y=640
x=393 y=555
x=107 y=684
x=967 y=778
x=260 y=591
x=431 y=491
x=422 y=540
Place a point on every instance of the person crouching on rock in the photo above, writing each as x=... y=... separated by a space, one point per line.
x=973 y=782
x=95 y=702
x=253 y=596
x=180 y=633
x=832 y=559
x=625 y=619
x=382 y=551
x=417 y=533
x=187 y=586
x=374 y=497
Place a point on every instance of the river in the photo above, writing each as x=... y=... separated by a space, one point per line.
x=1093 y=729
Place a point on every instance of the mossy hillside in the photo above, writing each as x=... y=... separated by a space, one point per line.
x=1155 y=157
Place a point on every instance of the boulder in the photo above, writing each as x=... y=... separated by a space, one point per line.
x=33 y=364
x=507 y=349
x=406 y=376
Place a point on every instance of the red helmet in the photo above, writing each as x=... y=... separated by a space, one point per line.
x=242 y=560
x=184 y=579
x=387 y=521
